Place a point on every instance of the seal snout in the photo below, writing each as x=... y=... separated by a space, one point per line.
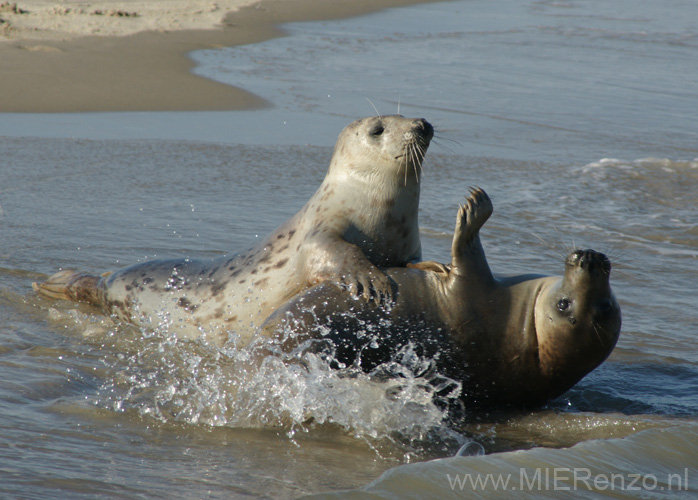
x=421 y=130
x=415 y=141
x=590 y=260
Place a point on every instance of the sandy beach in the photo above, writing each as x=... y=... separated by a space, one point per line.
x=131 y=55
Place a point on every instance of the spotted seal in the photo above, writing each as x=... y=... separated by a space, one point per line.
x=516 y=341
x=362 y=217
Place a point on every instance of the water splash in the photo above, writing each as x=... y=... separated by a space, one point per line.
x=171 y=379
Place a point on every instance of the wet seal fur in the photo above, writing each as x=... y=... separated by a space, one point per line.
x=513 y=342
x=362 y=217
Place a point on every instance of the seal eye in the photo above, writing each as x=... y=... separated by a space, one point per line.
x=376 y=130
x=563 y=305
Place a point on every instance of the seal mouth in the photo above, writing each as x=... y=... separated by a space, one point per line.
x=589 y=260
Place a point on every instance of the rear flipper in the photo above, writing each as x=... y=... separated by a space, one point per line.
x=71 y=285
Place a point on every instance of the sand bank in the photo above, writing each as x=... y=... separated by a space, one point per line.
x=130 y=55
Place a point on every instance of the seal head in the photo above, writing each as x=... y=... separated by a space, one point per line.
x=577 y=318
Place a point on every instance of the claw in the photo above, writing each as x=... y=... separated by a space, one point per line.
x=371 y=287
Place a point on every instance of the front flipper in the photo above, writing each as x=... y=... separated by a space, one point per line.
x=346 y=265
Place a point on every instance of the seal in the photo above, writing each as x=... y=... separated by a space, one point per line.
x=362 y=217
x=512 y=342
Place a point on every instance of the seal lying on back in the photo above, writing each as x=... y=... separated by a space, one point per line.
x=515 y=341
x=363 y=215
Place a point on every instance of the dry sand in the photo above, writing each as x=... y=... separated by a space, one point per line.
x=131 y=55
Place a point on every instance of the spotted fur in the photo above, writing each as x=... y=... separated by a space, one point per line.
x=362 y=217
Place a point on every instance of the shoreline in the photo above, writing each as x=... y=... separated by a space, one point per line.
x=149 y=70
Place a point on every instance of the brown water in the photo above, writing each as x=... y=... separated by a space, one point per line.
x=95 y=410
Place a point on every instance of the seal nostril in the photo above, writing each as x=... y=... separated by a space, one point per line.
x=589 y=259
x=423 y=126
x=593 y=260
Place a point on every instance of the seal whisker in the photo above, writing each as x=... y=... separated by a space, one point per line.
x=443 y=146
x=617 y=257
x=414 y=156
x=374 y=108
x=405 y=167
x=557 y=251
x=440 y=138
x=418 y=163
x=595 y=327
x=618 y=269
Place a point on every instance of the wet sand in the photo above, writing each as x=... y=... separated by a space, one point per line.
x=55 y=67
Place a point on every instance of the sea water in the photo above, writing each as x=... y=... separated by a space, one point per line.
x=577 y=118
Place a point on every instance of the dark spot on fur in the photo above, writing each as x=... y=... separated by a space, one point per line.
x=242 y=281
x=231 y=319
x=282 y=235
x=261 y=282
x=217 y=288
x=133 y=285
x=291 y=233
x=281 y=263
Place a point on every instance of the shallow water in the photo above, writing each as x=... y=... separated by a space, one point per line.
x=531 y=103
x=89 y=405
